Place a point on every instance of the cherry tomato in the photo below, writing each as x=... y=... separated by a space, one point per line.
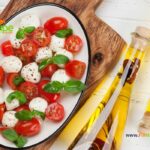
x=55 y=24
x=3 y=128
x=10 y=80
x=55 y=112
x=50 y=97
x=29 y=48
x=2 y=110
x=2 y=76
x=7 y=48
x=28 y=128
x=29 y=89
x=41 y=37
x=75 y=69
x=73 y=44
x=25 y=60
x=49 y=70
x=22 y=107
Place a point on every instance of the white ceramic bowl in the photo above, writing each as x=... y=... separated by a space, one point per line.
x=70 y=102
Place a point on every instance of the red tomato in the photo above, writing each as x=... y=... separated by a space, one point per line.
x=55 y=24
x=73 y=43
x=2 y=110
x=3 y=128
x=29 y=48
x=41 y=37
x=29 y=89
x=7 y=48
x=22 y=107
x=25 y=60
x=50 y=97
x=28 y=128
x=55 y=112
x=2 y=76
x=49 y=70
x=10 y=80
x=75 y=69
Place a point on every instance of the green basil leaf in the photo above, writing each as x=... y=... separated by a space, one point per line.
x=20 y=34
x=64 y=33
x=17 y=95
x=24 y=115
x=60 y=59
x=74 y=86
x=20 y=142
x=18 y=80
x=29 y=29
x=39 y=113
x=53 y=87
x=10 y=135
x=45 y=63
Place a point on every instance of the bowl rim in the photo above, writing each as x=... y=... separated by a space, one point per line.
x=88 y=67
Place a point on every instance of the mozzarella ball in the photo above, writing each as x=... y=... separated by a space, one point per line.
x=30 y=20
x=43 y=53
x=9 y=120
x=14 y=41
x=31 y=73
x=38 y=104
x=11 y=64
x=2 y=99
x=14 y=103
x=60 y=75
x=57 y=43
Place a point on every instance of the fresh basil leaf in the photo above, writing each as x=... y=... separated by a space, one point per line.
x=53 y=87
x=20 y=142
x=64 y=33
x=74 y=86
x=45 y=63
x=10 y=135
x=18 y=80
x=17 y=95
x=29 y=29
x=24 y=115
x=39 y=113
x=60 y=59
x=20 y=34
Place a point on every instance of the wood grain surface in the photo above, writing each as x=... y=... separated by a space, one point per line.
x=106 y=44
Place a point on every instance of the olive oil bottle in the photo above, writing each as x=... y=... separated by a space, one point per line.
x=103 y=129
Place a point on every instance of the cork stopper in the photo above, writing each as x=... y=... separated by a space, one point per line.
x=143 y=32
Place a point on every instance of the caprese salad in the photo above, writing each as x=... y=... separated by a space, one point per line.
x=38 y=64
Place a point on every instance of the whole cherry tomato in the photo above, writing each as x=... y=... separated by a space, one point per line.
x=55 y=24
x=50 y=97
x=28 y=128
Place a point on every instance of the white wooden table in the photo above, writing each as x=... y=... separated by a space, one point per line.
x=124 y=16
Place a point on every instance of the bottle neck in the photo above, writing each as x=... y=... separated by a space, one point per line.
x=139 y=42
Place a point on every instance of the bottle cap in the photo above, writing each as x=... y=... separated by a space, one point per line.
x=143 y=31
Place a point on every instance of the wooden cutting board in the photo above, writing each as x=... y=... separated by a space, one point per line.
x=106 y=44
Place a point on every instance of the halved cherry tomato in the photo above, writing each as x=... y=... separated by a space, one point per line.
x=55 y=24
x=22 y=107
x=29 y=48
x=50 y=97
x=55 y=112
x=75 y=69
x=49 y=70
x=28 y=128
x=2 y=110
x=2 y=76
x=7 y=48
x=10 y=80
x=73 y=44
x=29 y=89
x=41 y=37
x=25 y=59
